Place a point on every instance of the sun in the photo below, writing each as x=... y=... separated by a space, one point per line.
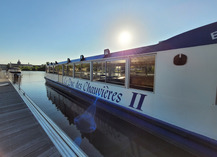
x=124 y=38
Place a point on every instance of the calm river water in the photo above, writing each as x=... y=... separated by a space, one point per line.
x=107 y=135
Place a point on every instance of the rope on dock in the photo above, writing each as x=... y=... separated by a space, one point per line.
x=63 y=143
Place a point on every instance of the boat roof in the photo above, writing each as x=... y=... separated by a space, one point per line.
x=204 y=35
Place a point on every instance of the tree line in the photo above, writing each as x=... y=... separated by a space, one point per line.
x=33 y=68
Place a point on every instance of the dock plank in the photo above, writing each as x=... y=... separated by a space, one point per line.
x=20 y=133
x=12 y=107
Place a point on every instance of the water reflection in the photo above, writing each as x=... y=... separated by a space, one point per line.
x=112 y=136
x=85 y=122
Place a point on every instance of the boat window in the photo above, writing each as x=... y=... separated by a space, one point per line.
x=50 y=69
x=47 y=69
x=142 y=72
x=115 y=72
x=77 y=70
x=82 y=70
x=99 y=71
x=56 y=69
x=85 y=71
x=68 y=70
x=60 y=69
x=65 y=69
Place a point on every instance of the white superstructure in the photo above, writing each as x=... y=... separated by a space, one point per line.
x=174 y=81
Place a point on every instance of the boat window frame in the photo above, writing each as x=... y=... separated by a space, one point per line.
x=106 y=66
x=60 y=70
x=143 y=55
x=55 y=69
x=93 y=70
x=127 y=69
x=66 y=65
x=51 y=71
x=110 y=60
x=81 y=62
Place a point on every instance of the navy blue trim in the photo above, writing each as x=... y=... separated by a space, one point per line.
x=196 y=37
x=193 y=142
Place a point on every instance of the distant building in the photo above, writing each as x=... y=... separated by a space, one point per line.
x=18 y=64
x=15 y=65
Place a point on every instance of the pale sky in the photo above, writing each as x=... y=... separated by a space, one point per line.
x=40 y=31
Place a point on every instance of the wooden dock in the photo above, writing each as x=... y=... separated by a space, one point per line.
x=20 y=133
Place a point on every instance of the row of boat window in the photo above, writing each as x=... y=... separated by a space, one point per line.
x=141 y=73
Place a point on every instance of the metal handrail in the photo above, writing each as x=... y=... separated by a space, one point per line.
x=62 y=142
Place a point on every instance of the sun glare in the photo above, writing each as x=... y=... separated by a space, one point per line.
x=125 y=38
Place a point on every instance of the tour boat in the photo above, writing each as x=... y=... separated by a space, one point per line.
x=14 y=74
x=171 y=85
x=14 y=70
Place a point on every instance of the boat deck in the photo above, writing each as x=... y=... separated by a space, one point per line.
x=20 y=132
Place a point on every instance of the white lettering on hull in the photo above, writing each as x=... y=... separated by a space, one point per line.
x=214 y=35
